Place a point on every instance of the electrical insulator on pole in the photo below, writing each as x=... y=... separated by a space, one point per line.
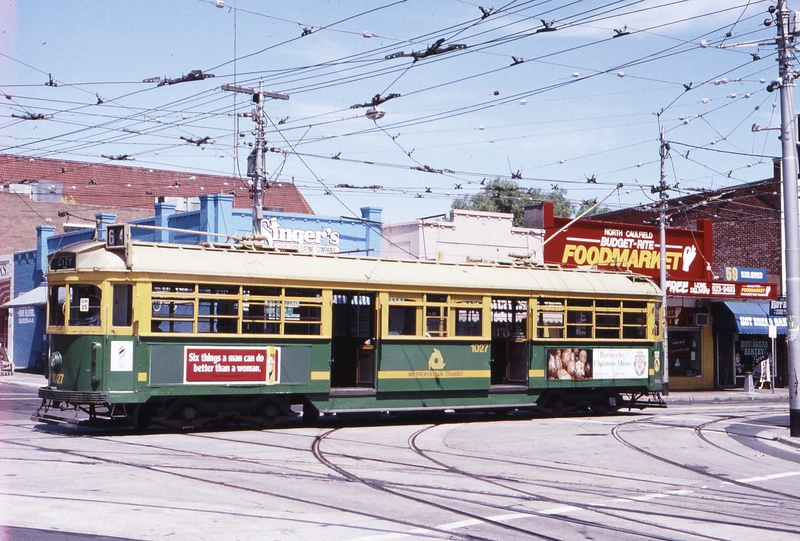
x=255 y=162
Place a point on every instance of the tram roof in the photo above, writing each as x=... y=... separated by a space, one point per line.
x=176 y=262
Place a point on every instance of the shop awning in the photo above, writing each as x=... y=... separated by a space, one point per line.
x=34 y=297
x=752 y=317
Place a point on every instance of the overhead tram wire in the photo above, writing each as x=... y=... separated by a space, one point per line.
x=369 y=11
x=338 y=199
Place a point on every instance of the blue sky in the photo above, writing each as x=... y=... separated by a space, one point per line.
x=582 y=104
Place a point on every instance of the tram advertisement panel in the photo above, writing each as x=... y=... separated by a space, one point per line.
x=220 y=365
x=578 y=363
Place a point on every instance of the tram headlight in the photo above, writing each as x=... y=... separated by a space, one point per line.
x=55 y=361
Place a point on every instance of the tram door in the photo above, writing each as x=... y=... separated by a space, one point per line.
x=353 y=347
x=509 y=347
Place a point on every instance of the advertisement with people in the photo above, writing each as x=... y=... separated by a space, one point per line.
x=580 y=363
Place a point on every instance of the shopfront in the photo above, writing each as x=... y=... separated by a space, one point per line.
x=747 y=333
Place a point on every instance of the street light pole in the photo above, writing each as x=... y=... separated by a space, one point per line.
x=790 y=210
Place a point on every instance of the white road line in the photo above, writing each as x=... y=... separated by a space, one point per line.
x=768 y=477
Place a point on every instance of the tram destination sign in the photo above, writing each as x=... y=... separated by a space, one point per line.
x=62 y=261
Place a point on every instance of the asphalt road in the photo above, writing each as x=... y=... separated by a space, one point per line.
x=698 y=471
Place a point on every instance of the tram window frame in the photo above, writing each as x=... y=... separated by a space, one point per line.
x=80 y=302
x=177 y=297
x=434 y=315
x=550 y=317
x=57 y=299
x=281 y=311
x=586 y=319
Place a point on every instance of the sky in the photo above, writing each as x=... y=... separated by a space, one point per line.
x=554 y=94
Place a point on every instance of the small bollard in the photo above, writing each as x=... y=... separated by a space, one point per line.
x=748 y=383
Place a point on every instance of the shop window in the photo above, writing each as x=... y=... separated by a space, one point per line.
x=684 y=353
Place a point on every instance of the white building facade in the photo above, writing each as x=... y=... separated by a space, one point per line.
x=466 y=236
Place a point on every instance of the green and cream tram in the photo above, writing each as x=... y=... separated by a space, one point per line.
x=185 y=335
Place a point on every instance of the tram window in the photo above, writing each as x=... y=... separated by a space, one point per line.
x=607 y=320
x=468 y=322
x=605 y=303
x=436 y=321
x=436 y=297
x=302 y=318
x=218 y=307
x=641 y=305
x=261 y=291
x=173 y=309
x=582 y=316
x=84 y=305
x=218 y=290
x=509 y=318
x=58 y=296
x=403 y=320
x=298 y=292
x=172 y=288
x=579 y=302
x=227 y=312
x=606 y=325
x=634 y=325
x=171 y=326
x=634 y=318
x=122 y=310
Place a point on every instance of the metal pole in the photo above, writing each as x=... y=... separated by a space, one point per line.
x=258 y=166
x=662 y=236
x=791 y=212
x=258 y=185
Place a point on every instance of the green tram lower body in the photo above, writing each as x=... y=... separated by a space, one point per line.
x=206 y=382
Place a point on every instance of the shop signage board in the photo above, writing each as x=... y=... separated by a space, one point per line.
x=712 y=289
x=778 y=307
x=612 y=245
x=745 y=274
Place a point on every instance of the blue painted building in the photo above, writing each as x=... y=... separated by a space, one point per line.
x=215 y=221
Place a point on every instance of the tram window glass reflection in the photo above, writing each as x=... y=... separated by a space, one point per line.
x=84 y=305
x=468 y=322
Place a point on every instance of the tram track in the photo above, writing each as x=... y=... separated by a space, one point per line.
x=172 y=471
x=564 y=504
x=699 y=471
x=776 y=497
x=424 y=496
